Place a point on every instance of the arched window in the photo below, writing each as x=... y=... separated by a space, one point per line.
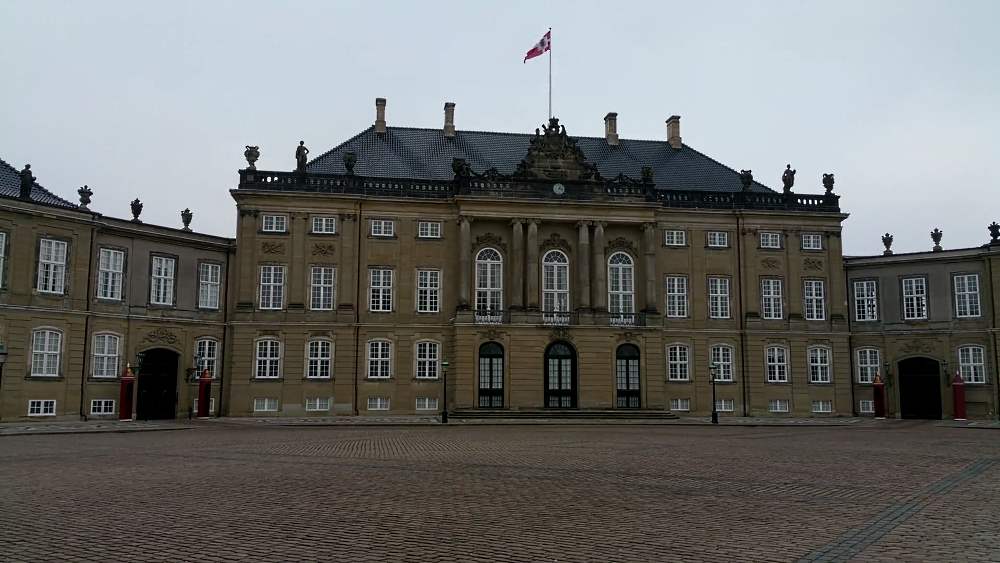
x=46 y=351
x=555 y=285
x=319 y=358
x=627 y=377
x=776 y=361
x=489 y=281
x=491 y=375
x=621 y=284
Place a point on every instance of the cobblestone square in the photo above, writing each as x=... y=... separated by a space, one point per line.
x=218 y=492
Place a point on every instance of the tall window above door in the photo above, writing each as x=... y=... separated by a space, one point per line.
x=489 y=281
x=110 y=268
x=555 y=282
x=621 y=283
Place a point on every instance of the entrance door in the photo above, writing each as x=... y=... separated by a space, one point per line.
x=560 y=376
x=919 y=388
x=491 y=376
x=627 y=377
x=157 y=380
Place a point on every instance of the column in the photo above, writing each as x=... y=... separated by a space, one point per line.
x=298 y=277
x=517 y=264
x=649 y=250
x=583 y=265
x=599 y=287
x=347 y=270
x=247 y=253
x=533 y=264
x=464 y=255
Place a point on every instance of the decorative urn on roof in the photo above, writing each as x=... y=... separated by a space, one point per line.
x=994 y=230
x=828 y=183
x=252 y=154
x=746 y=178
x=186 y=216
x=85 y=192
x=887 y=241
x=350 y=159
x=136 y=210
x=936 y=235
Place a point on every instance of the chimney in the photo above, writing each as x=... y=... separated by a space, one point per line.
x=449 y=119
x=380 y=115
x=674 y=131
x=611 y=128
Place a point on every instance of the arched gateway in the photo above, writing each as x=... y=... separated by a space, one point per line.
x=920 y=388
x=560 y=376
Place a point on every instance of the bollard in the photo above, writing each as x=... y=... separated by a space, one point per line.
x=958 y=394
x=126 y=394
x=879 y=391
x=204 y=394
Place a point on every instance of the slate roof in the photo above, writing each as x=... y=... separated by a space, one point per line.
x=426 y=154
x=10 y=187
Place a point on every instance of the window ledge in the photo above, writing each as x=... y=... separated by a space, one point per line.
x=44 y=377
x=92 y=379
x=390 y=378
x=268 y=379
x=679 y=381
x=426 y=379
x=317 y=378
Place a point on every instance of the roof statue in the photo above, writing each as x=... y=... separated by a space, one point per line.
x=828 y=183
x=788 y=179
x=554 y=155
x=27 y=181
x=301 y=154
x=746 y=178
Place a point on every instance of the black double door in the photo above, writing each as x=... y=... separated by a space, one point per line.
x=627 y=394
x=919 y=388
x=560 y=376
x=157 y=385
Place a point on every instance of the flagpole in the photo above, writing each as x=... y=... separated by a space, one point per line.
x=550 y=73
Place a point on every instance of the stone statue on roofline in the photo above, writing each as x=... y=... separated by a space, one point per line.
x=788 y=178
x=301 y=155
x=27 y=181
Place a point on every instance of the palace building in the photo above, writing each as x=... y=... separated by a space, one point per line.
x=411 y=271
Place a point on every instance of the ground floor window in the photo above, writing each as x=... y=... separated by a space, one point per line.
x=265 y=404
x=427 y=403
x=317 y=404
x=777 y=405
x=102 y=406
x=866 y=406
x=725 y=405
x=682 y=405
x=822 y=407
x=378 y=403
x=46 y=407
x=211 y=405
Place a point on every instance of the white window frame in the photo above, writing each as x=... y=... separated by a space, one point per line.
x=489 y=281
x=211 y=405
x=380 y=290
x=46 y=352
x=621 y=284
x=429 y=404
x=718 y=239
x=814 y=300
x=379 y=358
x=722 y=355
x=110 y=273
x=209 y=285
x=914 y=298
x=52 y=256
x=265 y=404
x=725 y=405
x=45 y=407
x=379 y=402
x=316 y=404
x=820 y=360
x=776 y=364
x=779 y=405
x=822 y=406
x=268 y=355
x=3 y=258
x=678 y=362
x=812 y=241
x=319 y=358
x=866 y=406
x=105 y=362
x=162 y=277
x=271 y=290
x=428 y=291
x=770 y=239
x=103 y=405
x=866 y=301
x=966 y=289
x=680 y=405
x=427 y=359
x=972 y=363
x=322 y=288
x=206 y=350
x=677 y=297
x=382 y=228
x=429 y=229
x=674 y=237
x=718 y=298
x=865 y=368
x=771 y=299
x=555 y=282
x=324 y=225
x=274 y=223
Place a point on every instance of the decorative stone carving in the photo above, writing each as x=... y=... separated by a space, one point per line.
x=85 y=192
x=461 y=168
x=647 y=174
x=828 y=183
x=994 y=230
x=628 y=336
x=247 y=211
x=788 y=179
x=621 y=243
x=555 y=242
x=272 y=247
x=936 y=235
x=491 y=334
x=160 y=336
x=301 y=156
x=917 y=346
x=553 y=155
x=27 y=182
x=186 y=217
x=560 y=333
x=320 y=249
x=136 y=210
x=490 y=239
x=812 y=264
x=746 y=178
x=350 y=159
x=251 y=154
x=770 y=263
x=887 y=241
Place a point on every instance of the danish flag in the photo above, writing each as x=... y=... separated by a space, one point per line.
x=544 y=45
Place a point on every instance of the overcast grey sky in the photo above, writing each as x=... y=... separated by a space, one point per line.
x=157 y=100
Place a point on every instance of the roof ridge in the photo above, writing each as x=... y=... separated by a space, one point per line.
x=518 y=134
x=37 y=185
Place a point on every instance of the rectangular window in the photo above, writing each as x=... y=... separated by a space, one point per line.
x=105 y=355
x=814 y=297
x=770 y=299
x=725 y=405
x=274 y=223
x=110 y=270
x=427 y=360
x=380 y=290
x=3 y=258
x=868 y=365
x=674 y=238
x=427 y=403
x=324 y=225
x=819 y=364
x=770 y=240
x=677 y=296
x=682 y=405
x=209 y=284
x=677 y=363
x=822 y=407
x=718 y=298
x=722 y=360
x=718 y=239
x=428 y=291
x=967 y=296
x=971 y=361
x=161 y=286
x=268 y=359
x=211 y=406
x=914 y=298
x=272 y=287
x=207 y=354
x=379 y=359
x=46 y=348
x=378 y=403
x=777 y=364
x=777 y=405
x=429 y=229
x=102 y=406
x=45 y=407
x=866 y=406
x=383 y=228
x=323 y=288
x=51 y=266
x=317 y=404
x=265 y=404
x=320 y=359
x=812 y=241
x=865 y=300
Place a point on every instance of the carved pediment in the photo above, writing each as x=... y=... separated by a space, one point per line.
x=554 y=155
x=490 y=239
x=621 y=243
x=555 y=242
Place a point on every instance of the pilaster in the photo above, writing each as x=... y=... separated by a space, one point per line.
x=599 y=291
x=583 y=265
x=517 y=264
x=533 y=264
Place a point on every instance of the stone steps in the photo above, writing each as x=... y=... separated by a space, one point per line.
x=575 y=414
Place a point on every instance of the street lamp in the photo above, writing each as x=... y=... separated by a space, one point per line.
x=444 y=391
x=3 y=360
x=714 y=368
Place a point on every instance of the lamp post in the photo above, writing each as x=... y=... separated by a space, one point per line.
x=444 y=392
x=3 y=360
x=715 y=412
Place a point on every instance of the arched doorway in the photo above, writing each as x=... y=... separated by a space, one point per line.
x=491 y=376
x=560 y=376
x=919 y=388
x=627 y=377
x=157 y=385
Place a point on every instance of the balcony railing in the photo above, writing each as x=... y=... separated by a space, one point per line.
x=621 y=319
x=492 y=317
x=559 y=318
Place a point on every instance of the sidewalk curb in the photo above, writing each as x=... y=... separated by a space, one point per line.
x=86 y=431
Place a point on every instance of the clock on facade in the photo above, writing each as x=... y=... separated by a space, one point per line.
x=558 y=189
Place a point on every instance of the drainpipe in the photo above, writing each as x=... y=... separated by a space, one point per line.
x=221 y=365
x=741 y=268
x=86 y=321
x=993 y=302
x=357 y=301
